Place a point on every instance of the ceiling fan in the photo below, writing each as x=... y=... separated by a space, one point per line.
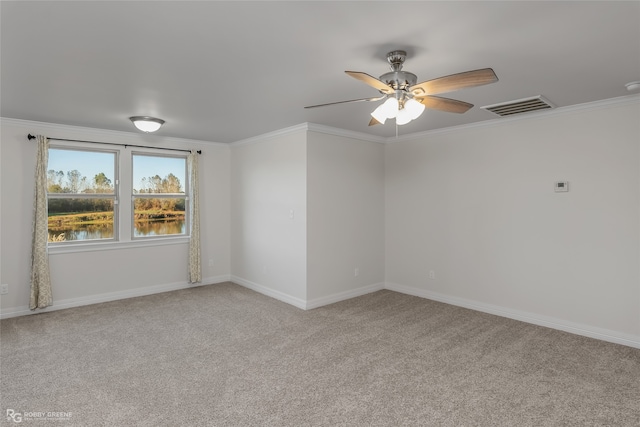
x=406 y=100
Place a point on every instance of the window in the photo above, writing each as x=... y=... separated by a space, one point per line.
x=158 y=193
x=82 y=195
x=88 y=204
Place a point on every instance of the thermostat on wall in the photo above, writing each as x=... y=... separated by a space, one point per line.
x=561 y=186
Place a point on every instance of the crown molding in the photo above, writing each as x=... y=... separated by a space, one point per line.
x=310 y=127
x=85 y=132
x=303 y=127
x=596 y=105
x=54 y=130
x=313 y=127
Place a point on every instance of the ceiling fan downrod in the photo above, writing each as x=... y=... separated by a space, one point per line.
x=396 y=59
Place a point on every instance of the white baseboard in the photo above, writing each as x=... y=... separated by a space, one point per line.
x=281 y=296
x=308 y=304
x=341 y=296
x=111 y=296
x=536 y=319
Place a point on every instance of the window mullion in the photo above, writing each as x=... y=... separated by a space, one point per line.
x=124 y=187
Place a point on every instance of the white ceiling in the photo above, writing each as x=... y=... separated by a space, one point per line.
x=226 y=71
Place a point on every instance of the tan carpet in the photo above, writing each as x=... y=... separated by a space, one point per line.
x=223 y=355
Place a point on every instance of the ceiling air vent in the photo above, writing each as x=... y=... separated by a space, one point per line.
x=519 y=106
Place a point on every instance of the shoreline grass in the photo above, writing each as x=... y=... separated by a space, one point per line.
x=67 y=219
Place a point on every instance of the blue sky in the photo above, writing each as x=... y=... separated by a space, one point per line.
x=91 y=163
x=147 y=166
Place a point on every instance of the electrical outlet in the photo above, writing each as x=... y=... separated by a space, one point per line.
x=356 y=272
x=4 y=289
x=432 y=274
x=210 y=262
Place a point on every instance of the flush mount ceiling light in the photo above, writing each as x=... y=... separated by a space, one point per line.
x=633 y=86
x=146 y=123
x=405 y=99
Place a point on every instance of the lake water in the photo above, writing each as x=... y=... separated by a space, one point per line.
x=105 y=231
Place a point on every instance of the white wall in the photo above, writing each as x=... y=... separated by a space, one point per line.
x=92 y=276
x=269 y=216
x=345 y=222
x=474 y=204
x=477 y=206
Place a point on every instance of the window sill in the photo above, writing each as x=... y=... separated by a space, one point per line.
x=69 y=248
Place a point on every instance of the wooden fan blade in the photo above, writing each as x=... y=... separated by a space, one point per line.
x=371 y=81
x=378 y=98
x=373 y=122
x=444 y=104
x=454 y=82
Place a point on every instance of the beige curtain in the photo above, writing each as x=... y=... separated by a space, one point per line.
x=40 y=278
x=195 y=268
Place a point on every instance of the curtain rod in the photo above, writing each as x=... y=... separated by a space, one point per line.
x=30 y=137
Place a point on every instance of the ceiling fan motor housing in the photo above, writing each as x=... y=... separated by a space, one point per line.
x=398 y=79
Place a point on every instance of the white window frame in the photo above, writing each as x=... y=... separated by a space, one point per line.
x=123 y=209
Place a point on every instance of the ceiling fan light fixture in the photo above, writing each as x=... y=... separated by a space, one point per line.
x=387 y=110
x=414 y=108
x=146 y=123
x=390 y=107
x=403 y=117
x=632 y=86
x=379 y=114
